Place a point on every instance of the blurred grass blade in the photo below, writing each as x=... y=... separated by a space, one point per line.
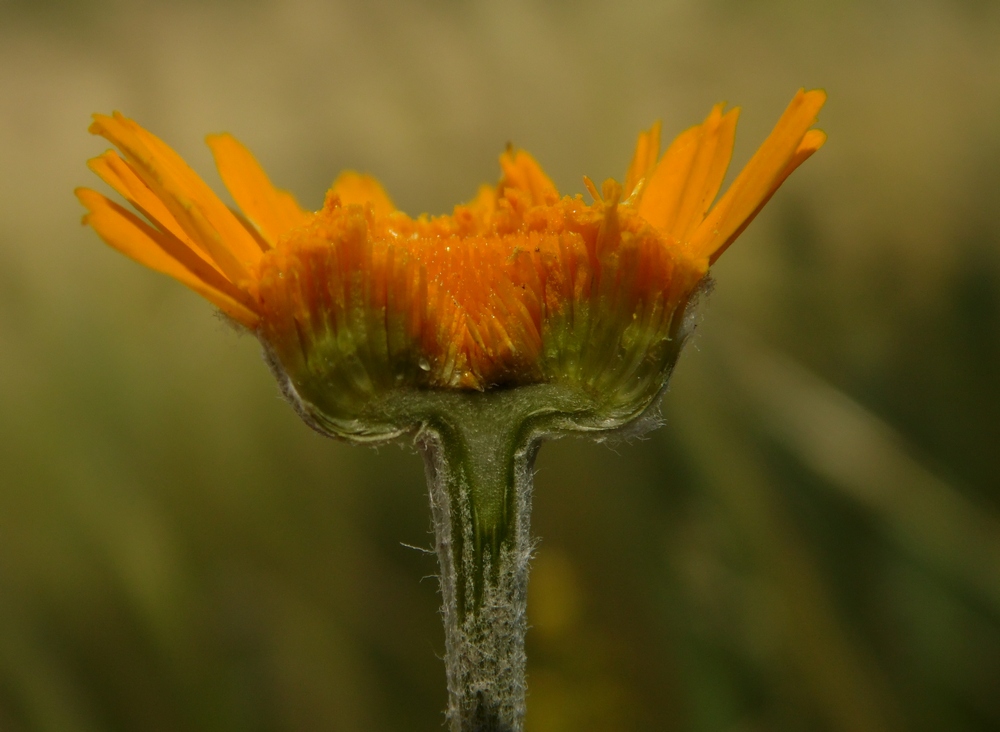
x=869 y=461
x=830 y=665
x=46 y=689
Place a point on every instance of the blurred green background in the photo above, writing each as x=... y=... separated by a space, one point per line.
x=811 y=542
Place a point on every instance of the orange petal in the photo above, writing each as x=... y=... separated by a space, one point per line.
x=665 y=184
x=481 y=208
x=647 y=150
x=206 y=219
x=786 y=147
x=707 y=171
x=356 y=188
x=272 y=211
x=812 y=142
x=163 y=252
x=520 y=171
x=485 y=201
x=116 y=173
x=683 y=185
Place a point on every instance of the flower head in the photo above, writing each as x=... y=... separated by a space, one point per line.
x=359 y=304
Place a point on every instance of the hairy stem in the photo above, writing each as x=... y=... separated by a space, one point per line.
x=479 y=449
x=479 y=459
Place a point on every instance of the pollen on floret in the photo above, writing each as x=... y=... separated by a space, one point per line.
x=540 y=289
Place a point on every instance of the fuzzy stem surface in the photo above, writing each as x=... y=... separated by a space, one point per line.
x=479 y=461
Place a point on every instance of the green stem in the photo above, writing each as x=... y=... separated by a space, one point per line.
x=479 y=449
x=479 y=456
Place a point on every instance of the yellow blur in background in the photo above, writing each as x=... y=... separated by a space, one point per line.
x=811 y=542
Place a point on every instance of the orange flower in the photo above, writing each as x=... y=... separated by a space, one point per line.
x=520 y=286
